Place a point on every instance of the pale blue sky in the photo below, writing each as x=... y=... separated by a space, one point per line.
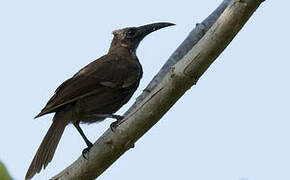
x=233 y=125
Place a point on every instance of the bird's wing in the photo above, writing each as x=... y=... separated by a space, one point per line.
x=102 y=73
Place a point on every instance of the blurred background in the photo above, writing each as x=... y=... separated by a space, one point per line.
x=233 y=125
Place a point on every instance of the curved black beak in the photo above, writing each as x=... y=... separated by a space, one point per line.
x=149 y=28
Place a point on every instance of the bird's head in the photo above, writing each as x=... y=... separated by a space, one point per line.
x=130 y=37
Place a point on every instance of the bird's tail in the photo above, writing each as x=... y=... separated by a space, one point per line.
x=48 y=145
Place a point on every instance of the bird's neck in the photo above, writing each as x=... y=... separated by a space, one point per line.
x=121 y=50
x=121 y=46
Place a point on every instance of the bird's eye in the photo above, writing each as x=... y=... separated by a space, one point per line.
x=131 y=33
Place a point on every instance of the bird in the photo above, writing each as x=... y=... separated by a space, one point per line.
x=95 y=92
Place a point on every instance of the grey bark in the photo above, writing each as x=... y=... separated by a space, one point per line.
x=194 y=36
x=196 y=54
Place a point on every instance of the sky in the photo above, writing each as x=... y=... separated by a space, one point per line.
x=233 y=125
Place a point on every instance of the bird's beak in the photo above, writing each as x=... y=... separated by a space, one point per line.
x=149 y=28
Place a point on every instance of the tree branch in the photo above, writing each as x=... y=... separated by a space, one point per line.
x=194 y=36
x=173 y=80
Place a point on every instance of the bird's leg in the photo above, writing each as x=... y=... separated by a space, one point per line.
x=114 y=116
x=115 y=124
x=89 y=144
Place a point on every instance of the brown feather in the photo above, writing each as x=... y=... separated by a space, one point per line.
x=93 y=77
x=49 y=143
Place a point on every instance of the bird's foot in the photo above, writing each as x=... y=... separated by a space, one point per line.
x=86 y=150
x=115 y=124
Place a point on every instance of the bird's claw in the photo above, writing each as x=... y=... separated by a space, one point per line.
x=86 y=150
x=115 y=124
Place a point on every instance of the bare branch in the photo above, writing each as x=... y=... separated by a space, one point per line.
x=168 y=89
x=194 y=36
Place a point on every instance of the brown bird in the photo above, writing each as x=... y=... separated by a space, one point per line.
x=95 y=92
